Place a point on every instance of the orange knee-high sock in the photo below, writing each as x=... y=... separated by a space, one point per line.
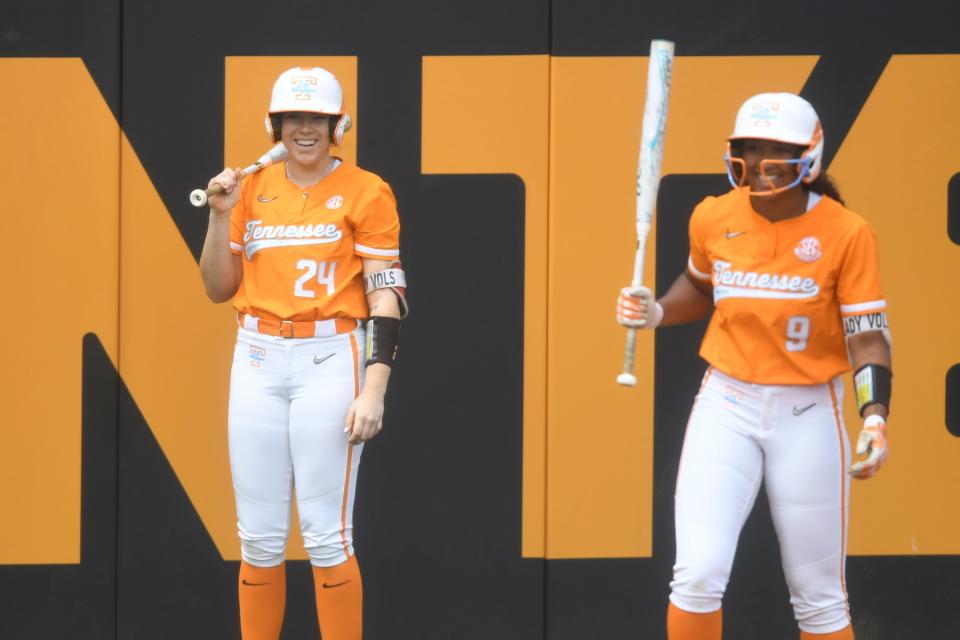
x=263 y=596
x=844 y=634
x=685 y=625
x=339 y=600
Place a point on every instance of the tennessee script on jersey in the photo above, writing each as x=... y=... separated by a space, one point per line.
x=302 y=249
x=783 y=290
x=260 y=236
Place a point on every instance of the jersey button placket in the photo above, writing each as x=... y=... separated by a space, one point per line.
x=774 y=240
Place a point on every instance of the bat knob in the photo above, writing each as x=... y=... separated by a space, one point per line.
x=627 y=380
x=198 y=197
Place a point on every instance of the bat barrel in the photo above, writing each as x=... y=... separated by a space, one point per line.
x=659 y=72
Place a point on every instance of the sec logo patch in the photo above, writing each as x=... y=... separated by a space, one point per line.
x=809 y=249
x=335 y=202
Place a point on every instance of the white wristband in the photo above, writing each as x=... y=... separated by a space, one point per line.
x=657 y=316
x=874 y=420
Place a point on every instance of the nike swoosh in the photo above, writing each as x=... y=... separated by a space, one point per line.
x=334 y=586
x=802 y=410
x=266 y=199
x=734 y=234
x=255 y=584
x=318 y=359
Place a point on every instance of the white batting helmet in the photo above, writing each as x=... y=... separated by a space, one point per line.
x=308 y=90
x=783 y=117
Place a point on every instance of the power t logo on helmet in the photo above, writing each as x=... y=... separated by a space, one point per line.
x=308 y=90
x=304 y=87
x=778 y=117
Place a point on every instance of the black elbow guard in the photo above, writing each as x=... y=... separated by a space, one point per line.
x=873 y=384
x=383 y=340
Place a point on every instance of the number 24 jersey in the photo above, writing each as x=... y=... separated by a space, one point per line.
x=302 y=249
x=784 y=290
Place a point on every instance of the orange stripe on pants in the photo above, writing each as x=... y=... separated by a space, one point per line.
x=843 y=496
x=346 y=479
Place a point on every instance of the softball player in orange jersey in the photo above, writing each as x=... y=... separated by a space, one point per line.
x=307 y=250
x=791 y=277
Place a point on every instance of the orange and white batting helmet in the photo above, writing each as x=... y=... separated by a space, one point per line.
x=781 y=117
x=308 y=90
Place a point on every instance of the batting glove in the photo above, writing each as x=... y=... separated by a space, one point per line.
x=872 y=440
x=636 y=308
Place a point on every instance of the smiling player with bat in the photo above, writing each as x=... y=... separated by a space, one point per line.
x=306 y=248
x=791 y=278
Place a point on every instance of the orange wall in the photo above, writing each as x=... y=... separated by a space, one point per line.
x=60 y=280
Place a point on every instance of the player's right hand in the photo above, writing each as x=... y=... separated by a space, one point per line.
x=637 y=308
x=230 y=180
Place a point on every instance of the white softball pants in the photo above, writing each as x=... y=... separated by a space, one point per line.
x=288 y=404
x=793 y=439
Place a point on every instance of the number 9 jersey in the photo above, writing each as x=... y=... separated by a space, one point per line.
x=786 y=292
x=302 y=249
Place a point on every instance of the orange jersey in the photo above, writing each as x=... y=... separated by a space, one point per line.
x=302 y=249
x=783 y=290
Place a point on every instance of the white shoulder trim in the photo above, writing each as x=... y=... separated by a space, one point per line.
x=699 y=275
x=873 y=305
x=386 y=253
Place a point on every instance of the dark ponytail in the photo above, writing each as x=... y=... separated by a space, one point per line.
x=826 y=186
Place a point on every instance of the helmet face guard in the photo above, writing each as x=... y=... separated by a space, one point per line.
x=780 y=117
x=737 y=172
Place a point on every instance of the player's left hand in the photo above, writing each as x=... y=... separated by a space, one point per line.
x=365 y=417
x=872 y=441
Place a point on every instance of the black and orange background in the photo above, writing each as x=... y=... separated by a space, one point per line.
x=516 y=492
